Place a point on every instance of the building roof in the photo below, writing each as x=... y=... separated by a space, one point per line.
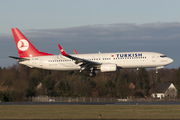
x=161 y=87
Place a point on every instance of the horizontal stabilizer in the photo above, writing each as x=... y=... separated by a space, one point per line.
x=18 y=58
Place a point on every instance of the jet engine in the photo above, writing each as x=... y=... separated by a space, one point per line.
x=108 y=67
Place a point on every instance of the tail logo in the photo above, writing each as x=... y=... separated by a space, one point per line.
x=23 y=45
x=62 y=50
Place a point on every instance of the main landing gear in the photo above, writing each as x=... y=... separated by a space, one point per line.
x=92 y=73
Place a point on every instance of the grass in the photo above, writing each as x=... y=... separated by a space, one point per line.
x=89 y=111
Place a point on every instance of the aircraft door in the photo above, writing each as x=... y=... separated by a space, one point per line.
x=153 y=58
x=41 y=62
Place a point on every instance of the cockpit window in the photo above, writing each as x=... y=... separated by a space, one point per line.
x=162 y=56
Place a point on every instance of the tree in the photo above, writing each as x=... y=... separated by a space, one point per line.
x=100 y=81
x=9 y=75
x=48 y=84
x=142 y=82
x=63 y=88
x=34 y=78
x=176 y=81
x=121 y=79
x=82 y=87
x=123 y=91
x=110 y=87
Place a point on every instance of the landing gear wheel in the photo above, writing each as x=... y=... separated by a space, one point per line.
x=92 y=74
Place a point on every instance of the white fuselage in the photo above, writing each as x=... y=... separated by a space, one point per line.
x=122 y=60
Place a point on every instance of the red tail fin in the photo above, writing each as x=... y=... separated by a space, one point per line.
x=24 y=47
x=62 y=51
x=75 y=51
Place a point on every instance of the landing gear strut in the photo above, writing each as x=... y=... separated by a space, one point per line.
x=156 y=71
x=92 y=73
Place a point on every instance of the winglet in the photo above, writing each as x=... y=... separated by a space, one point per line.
x=62 y=51
x=75 y=51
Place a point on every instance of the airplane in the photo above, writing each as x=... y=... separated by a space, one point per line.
x=104 y=62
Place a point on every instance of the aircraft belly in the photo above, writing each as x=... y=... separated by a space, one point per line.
x=68 y=66
x=146 y=64
x=59 y=66
x=26 y=63
x=137 y=64
x=129 y=64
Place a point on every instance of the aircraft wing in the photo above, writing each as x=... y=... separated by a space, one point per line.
x=85 y=64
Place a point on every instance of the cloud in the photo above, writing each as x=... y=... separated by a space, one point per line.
x=112 y=32
x=157 y=37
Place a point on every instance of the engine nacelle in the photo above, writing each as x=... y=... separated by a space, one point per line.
x=108 y=67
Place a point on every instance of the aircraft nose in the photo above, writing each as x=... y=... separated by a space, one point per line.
x=170 y=60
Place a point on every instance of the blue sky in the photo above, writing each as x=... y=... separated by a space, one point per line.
x=40 y=14
x=36 y=18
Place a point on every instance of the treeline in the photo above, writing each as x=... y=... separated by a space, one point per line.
x=19 y=82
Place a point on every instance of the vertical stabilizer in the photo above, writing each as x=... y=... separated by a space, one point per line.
x=24 y=47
